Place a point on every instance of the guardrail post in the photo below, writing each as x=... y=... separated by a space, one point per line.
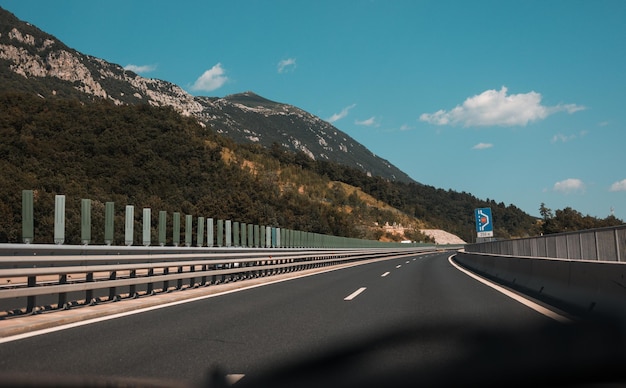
x=162 y=227
x=62 y=301
x=112 y=293
x=166 y=283
x=263 y=239
x=176 y=229
x=59 y=219
x=179 y=282
x=617 y=247
x=28 y=229
x=257 y=236
x=200 y=233
x=192 y=281
x=147 y=220
x=132 y=291
x=188 y=230
x=250 y=235
x=243 y=234
x=89 y=292
x=30 y=300
x=209 y=232
x=229 y=231
x=150 y=286
x=203 y=280
x=85 y=221
x=109 y=217
x=129 y=225
x=277 y=233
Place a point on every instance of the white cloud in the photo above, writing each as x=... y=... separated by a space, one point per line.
x=367 y=122
x=570 y=185
x=493 y=107
x=482 y=146
x=286 y=65
x=619 y=186
x=211 y=79
x=559 y=137
x=405 y=127
x=338 y=116
x=140 y=68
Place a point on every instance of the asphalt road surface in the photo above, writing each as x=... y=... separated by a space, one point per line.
x=412 y=311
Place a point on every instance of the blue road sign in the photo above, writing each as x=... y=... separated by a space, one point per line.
x=484 y=222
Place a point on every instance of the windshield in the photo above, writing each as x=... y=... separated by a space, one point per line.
x=297 y=193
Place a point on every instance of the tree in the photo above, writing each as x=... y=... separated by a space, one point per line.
x=568 y=220
x=546 y=212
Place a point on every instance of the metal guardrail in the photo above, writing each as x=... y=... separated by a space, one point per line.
x=603 y=244
x=31 y=282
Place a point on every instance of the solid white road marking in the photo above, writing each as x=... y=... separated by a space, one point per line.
x=526 y=302
x=355 y=293
x=385 y=274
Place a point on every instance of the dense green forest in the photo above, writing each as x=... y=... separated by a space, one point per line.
x=152 y=157
x=444 y=209
x=140 y=155
x=568 y=220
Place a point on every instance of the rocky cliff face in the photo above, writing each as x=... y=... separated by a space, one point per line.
x=33 y=60
x=34 y=54
x=247 y=117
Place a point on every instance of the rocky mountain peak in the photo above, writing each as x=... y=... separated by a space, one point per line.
x=31 y=59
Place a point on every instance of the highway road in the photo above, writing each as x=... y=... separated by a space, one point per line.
x=417 y=311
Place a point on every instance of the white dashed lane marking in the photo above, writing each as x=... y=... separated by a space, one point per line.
x=355 y=293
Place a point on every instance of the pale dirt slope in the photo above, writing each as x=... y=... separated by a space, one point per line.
x=442 y=237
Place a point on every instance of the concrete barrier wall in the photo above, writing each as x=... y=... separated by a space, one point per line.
x=603 y=244
x=580 y=287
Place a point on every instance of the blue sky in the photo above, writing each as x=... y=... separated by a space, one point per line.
x=522 y=102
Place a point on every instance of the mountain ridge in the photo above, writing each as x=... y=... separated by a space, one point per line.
x=58 y=70
x=37 y=64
